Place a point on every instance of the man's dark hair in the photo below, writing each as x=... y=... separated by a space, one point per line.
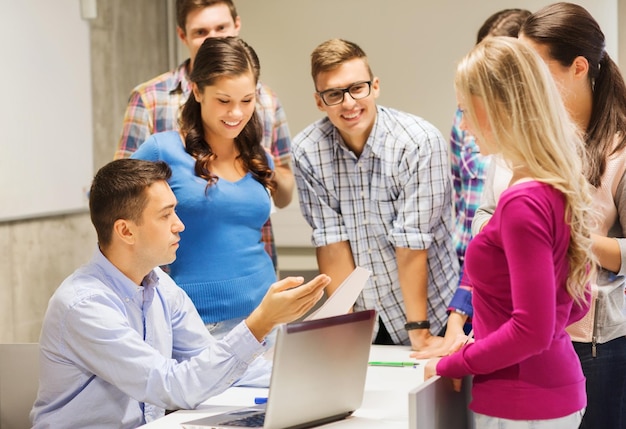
x=118 y=191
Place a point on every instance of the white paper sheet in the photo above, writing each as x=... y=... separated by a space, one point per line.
x=344 y=297
x=339 y=302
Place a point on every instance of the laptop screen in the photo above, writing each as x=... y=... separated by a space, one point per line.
x=318 y=375
x=319 y=369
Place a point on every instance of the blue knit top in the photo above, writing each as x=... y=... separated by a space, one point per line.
x=221 y=262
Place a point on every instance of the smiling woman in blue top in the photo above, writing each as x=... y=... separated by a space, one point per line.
x=223 y=180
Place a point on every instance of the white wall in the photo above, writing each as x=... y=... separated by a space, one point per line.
x=412 y=45
x=45 y=116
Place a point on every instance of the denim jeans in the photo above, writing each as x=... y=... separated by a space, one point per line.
x=219 y=329
x=606 y=384
x=568 y=422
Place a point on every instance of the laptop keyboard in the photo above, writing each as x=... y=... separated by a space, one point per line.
x=252 y=421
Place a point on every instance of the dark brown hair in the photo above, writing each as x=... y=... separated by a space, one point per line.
x=218 y=58
x=118 y=191
x=569 y=31
x=506 y=22
x=184 y=7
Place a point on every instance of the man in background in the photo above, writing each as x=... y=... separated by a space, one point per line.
x=154 y=106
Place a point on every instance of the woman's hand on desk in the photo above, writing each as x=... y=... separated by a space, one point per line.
x=430 y=370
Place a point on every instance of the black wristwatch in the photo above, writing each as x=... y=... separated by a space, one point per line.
x=422 y=324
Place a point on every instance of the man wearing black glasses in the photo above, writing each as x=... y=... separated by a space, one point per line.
x=374 y=186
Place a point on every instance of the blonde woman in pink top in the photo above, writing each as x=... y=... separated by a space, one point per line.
x=530 y=266
x=572 y=44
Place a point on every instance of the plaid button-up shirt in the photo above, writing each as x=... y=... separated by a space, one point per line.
x=397 y=193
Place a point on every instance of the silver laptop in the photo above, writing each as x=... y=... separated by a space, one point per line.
x=318 y=376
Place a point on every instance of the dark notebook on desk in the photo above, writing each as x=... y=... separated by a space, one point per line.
x=318 y=376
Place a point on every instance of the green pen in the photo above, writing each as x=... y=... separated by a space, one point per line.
x=393 y=363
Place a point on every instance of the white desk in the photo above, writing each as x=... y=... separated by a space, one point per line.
x=385 y=403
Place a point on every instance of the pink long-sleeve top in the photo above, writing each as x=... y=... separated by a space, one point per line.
x=523 y=361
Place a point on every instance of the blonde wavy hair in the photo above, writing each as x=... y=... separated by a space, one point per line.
x=529 y=125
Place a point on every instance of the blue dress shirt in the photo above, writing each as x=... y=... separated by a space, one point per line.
x=116 y=355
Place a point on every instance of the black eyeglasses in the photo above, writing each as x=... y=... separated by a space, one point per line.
x=357 y=90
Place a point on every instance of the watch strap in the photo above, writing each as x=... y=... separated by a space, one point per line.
x=422 y=324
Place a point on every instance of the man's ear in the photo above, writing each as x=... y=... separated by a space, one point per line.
x=181 y=34
x=124 y=230
x=319 y=102
x=375 y=86
x=237 y=25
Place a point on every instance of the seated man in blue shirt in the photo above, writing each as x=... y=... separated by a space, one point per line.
x=121 y=342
